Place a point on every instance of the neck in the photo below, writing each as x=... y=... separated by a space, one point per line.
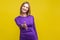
x=24 y=14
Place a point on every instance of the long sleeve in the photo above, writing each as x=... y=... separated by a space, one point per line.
x=35 y=28
x=17 y=22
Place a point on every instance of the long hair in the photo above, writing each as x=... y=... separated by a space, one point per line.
x=28 y=12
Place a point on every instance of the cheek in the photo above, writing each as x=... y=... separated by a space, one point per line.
x=22 y=8
x=27 y=9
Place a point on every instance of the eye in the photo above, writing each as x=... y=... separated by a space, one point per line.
x=26 y=7
x=23 y=6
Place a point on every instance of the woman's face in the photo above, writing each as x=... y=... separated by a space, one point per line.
x=25 y=8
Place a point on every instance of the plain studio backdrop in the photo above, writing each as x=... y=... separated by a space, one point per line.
x=45 y=12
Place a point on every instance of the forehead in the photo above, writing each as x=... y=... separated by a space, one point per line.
x=27 y=5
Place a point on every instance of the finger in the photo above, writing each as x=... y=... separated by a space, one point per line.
x=26 y=28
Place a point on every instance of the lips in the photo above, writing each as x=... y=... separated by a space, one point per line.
x=24 y=9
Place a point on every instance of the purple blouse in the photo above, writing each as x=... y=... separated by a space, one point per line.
x=29 y=34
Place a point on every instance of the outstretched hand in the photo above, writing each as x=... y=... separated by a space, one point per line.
x=24 y=25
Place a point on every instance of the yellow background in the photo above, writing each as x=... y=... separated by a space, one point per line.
x=45 y=12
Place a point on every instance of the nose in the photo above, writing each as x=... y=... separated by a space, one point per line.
x=25 y=7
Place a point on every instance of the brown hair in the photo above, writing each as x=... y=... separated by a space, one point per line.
x=28 y=12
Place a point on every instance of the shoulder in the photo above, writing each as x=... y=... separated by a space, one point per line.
x=31 y=16
x=17 y=17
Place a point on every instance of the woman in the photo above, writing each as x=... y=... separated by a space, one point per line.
x=26 y=23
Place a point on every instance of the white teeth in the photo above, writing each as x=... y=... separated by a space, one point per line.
x=24 y=9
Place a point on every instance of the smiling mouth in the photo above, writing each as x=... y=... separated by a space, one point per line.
x=24 y=9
